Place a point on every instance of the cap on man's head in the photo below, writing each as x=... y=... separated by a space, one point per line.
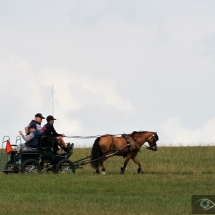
x=48 y=118
x=32 y=126
x=39 y=115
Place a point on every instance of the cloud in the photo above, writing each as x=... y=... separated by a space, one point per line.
x=26 y=92
x=63 y=80
x=176 y=133
x=115 y=66
x=75 y=93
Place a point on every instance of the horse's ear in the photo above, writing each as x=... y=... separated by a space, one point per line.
x=156 y=136
x=133 y=133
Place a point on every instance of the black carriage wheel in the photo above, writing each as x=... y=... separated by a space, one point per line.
x=65 y=166
x=30 y=166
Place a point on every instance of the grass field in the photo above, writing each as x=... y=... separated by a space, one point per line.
x=172 y=176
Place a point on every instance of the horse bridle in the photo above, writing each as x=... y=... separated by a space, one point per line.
x=154 y=137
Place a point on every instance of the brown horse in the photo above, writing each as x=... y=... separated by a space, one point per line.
x=126 y=145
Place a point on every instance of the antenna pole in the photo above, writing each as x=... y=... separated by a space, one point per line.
x=52 y=101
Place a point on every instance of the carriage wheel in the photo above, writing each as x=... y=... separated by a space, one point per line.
x=30 y=166
x=65 y=166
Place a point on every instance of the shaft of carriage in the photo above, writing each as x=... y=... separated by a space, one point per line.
x=77 y=164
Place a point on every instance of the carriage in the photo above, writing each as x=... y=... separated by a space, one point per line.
x=38 y=161
x=43 y=160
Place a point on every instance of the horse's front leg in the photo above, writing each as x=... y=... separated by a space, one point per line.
x=139 y=170
x=128 y=157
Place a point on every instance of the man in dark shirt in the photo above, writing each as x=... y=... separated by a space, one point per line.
x=48 y=130
x=37 y=122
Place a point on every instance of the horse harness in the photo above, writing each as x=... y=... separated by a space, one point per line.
x=129 y=144
x=154 y=138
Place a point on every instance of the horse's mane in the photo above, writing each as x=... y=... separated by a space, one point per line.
x=137 y=132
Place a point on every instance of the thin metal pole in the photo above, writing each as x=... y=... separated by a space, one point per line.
x=52 y=100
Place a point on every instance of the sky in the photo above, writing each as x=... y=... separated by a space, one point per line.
x=115 y=67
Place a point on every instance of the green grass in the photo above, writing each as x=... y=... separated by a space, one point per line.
x=172 y=176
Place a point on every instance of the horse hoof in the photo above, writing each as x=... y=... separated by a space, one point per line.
x=122 y=170
x=97 y=171
x=103 y=171
x=141 y=172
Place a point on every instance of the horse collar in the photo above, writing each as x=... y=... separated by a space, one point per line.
x=127 y=139
x=128 y=144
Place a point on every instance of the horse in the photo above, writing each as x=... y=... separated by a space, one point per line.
x=126 y=145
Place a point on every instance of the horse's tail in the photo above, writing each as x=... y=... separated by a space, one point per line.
x=95 y=154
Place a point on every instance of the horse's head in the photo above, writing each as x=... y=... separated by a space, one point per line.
x=152 y=141
x=145 y=136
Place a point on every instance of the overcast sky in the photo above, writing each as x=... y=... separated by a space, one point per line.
x=116 y=66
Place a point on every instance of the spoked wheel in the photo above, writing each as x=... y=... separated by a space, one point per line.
x=65 y=167
x=31 y=166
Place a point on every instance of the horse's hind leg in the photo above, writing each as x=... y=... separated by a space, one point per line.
x=103 y=168
x=139 y=170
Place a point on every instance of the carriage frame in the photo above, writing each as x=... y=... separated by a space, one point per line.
x=41 y=160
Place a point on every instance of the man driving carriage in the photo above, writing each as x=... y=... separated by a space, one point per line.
x=48 y=130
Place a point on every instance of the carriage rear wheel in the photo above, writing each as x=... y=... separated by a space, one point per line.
x=31 y=166
x=65 y=167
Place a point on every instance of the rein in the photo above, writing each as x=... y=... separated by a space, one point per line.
x=95 y=136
